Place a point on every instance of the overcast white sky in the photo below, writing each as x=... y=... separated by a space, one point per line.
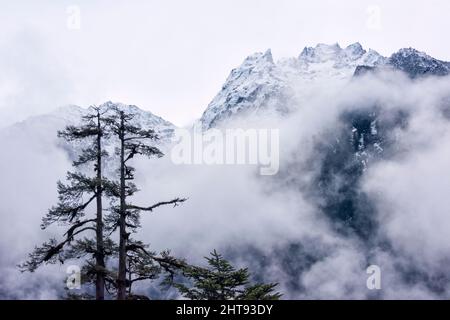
x=171 y=57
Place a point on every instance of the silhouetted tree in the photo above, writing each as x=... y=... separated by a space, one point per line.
x=74 y=198
x=133 y=140
x=221 y=281
x=87 y=186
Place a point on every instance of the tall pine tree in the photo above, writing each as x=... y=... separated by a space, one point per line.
x=76 y=196
x=133 y=141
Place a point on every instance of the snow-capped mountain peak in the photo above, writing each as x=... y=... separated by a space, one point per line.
x=144 y=118
x=320 y=53
x=323 y=52
x=416 y=63
x=259 y=83
x=44 y=127
x=354 y=51
x=262 y=84
x=405 y=52
x=258 y=59
x=373 y=58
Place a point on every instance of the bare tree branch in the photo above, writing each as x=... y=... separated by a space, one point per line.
x=175 y=203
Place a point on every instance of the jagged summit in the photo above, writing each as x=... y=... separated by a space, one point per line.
x=416 y=63
x=259 y=57
x=355 y=48
x=322 y=52
x=257 y=82
x=413 y=62
x=353 y=52
x=145 y=118
x=260 y=83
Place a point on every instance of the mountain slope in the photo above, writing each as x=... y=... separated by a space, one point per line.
x=72 y=114
x=260 y=84
x=39 y=133
x=416 y=63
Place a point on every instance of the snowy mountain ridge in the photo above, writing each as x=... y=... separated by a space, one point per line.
x=262 y=84
x=40 y=132
x=72 y=114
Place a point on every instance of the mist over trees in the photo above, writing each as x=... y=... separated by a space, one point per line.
x=84 y=232
x=98 y=217
x=221 y=281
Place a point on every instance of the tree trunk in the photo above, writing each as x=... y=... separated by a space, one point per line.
x=100 y=255
x=122 y=280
